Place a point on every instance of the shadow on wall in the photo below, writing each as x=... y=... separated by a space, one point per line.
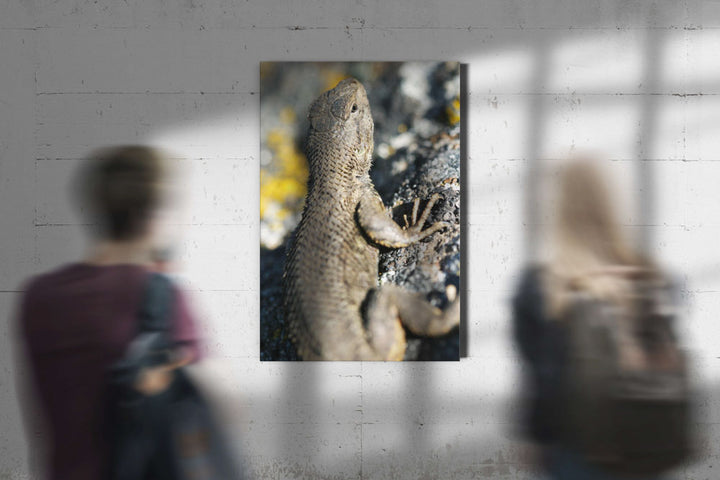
x=440 y=442
x=534 y=95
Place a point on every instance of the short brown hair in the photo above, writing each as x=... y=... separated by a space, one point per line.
x=121 y=186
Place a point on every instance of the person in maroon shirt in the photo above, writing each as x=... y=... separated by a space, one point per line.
x=76 y=321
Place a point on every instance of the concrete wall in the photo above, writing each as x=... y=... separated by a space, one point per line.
x=631 y=79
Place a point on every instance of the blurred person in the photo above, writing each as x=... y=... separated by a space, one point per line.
x=590 y=291
x=76 y=321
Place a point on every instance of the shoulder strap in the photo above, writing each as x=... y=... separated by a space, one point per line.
x=151 y=345
x=156 y=307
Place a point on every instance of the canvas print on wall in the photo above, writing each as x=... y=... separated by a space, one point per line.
x=360 y=211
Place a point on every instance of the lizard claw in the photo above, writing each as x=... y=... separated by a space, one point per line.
x=419 y=223
x=416 y=205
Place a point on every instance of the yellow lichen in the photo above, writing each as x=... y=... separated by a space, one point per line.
x=283 y=183
x=279 y=189
x=453 y=111
x=287 y=116
x=333 y=77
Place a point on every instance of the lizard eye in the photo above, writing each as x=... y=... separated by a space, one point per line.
x=354 y=108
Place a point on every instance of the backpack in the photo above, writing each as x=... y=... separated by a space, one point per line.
x=172 y=435
x=626 y=393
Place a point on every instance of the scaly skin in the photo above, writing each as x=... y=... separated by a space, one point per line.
x=332 y=301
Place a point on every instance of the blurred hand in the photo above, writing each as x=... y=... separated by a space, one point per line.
x=154 y=380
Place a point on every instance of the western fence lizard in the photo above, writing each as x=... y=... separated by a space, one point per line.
x=332 y=300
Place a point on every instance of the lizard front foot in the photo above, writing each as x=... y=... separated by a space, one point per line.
x=416 y=227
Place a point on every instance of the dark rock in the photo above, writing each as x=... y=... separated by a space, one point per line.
x=275 y=343
x=433 y=264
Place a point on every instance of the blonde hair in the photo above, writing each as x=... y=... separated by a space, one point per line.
x=589 y=246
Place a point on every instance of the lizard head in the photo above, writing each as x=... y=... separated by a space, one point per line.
x=341 y=117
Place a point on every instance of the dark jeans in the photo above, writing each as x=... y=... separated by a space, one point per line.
x=147 y=450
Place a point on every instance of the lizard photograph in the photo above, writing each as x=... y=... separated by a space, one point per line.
x=360 y=211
